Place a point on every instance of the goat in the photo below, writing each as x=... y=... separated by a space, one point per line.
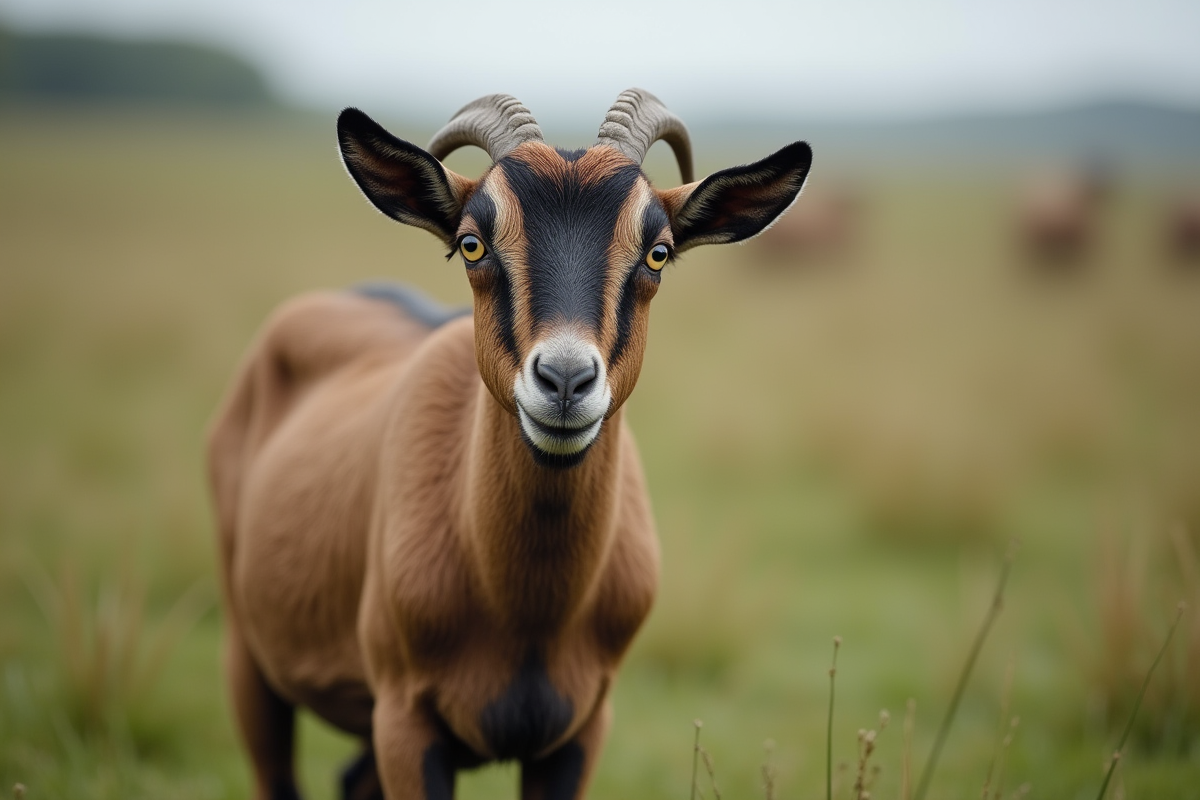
x=1059 y=215
x=1183 y=229
x=822 y=229
x=434 y=532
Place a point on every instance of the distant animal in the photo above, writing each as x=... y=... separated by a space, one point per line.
x=1183 y=228
x=434 y=530
x=1058 y=214
x=823 y=226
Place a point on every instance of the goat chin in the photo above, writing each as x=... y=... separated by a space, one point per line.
x=558 y=440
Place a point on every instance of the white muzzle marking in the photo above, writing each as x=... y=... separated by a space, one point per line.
x=552 y=430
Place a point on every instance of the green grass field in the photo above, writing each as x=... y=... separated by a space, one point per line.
x=834 y=449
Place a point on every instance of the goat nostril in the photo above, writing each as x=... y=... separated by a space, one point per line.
x=568 y=383
x=549 y=379
x=581 y=382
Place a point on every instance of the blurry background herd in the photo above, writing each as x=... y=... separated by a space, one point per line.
x=980 y=323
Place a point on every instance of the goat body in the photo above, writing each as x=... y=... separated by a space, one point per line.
x=434 y=532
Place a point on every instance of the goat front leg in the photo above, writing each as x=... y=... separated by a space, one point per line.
x=360 y=778
x=266 y=721
x=415 y=758
x=566 y=773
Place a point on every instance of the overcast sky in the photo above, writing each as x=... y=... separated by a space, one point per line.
x=852 y=58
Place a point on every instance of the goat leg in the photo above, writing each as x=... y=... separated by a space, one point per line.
x=266 y=720
x=566 y=773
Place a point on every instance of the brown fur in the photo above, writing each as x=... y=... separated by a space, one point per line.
x=427 y=547
x=394 y=556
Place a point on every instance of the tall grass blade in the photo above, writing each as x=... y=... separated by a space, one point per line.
x=997 y=753
x=837 y=642
x=976 y=647
x=712 y=773
x=183 y=615
x=910 y=721
x=1116 y=758
x=768 y=771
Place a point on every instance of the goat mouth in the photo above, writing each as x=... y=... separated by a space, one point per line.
x=557 y=440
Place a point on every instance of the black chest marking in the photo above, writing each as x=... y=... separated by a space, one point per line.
x=529 y=717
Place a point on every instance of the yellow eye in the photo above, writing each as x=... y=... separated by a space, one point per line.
x=471 y=248
x=656 y=259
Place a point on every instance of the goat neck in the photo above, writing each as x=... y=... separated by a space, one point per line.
x=538 y=535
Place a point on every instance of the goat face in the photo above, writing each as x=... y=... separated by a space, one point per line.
x=563 y=251
x=562 y=287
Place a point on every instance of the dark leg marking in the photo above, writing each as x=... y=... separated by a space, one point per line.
x=560 y=772
x=284 y=790
x=437 y=772
x=360 y=778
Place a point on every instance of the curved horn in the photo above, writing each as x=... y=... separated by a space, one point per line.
x=637 y=120
x=498 y=123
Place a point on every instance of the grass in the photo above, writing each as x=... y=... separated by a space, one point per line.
x=837 y=643
x=1137 y=705
x=952 y=710
x=1135 y=585
x=108 y=656
x=912 y=409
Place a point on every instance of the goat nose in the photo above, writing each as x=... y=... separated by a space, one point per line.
x=567 y=382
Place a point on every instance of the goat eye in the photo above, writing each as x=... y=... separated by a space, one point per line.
x=471 y=248
x=656 y=259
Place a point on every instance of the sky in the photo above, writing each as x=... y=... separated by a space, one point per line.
x=854 y=59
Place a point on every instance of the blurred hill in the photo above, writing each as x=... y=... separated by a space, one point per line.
x=80 y=69
x=1125 y=132
x=84 y=68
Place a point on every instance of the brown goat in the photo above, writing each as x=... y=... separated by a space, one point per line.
x=1058 y=217
x=822 y=228
x=434 y=532
x=1183 y=228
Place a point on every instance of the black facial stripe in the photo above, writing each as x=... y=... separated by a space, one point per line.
x=570 y=155
x=625 y=308
x=654 y=220
x=568 y=228
x=502 y=298
x=482 y=209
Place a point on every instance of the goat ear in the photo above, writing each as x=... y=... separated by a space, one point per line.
x=739 y=202
x=399 y=178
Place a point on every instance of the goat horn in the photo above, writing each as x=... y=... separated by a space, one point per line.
x=637 y=120
x=498 y=123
